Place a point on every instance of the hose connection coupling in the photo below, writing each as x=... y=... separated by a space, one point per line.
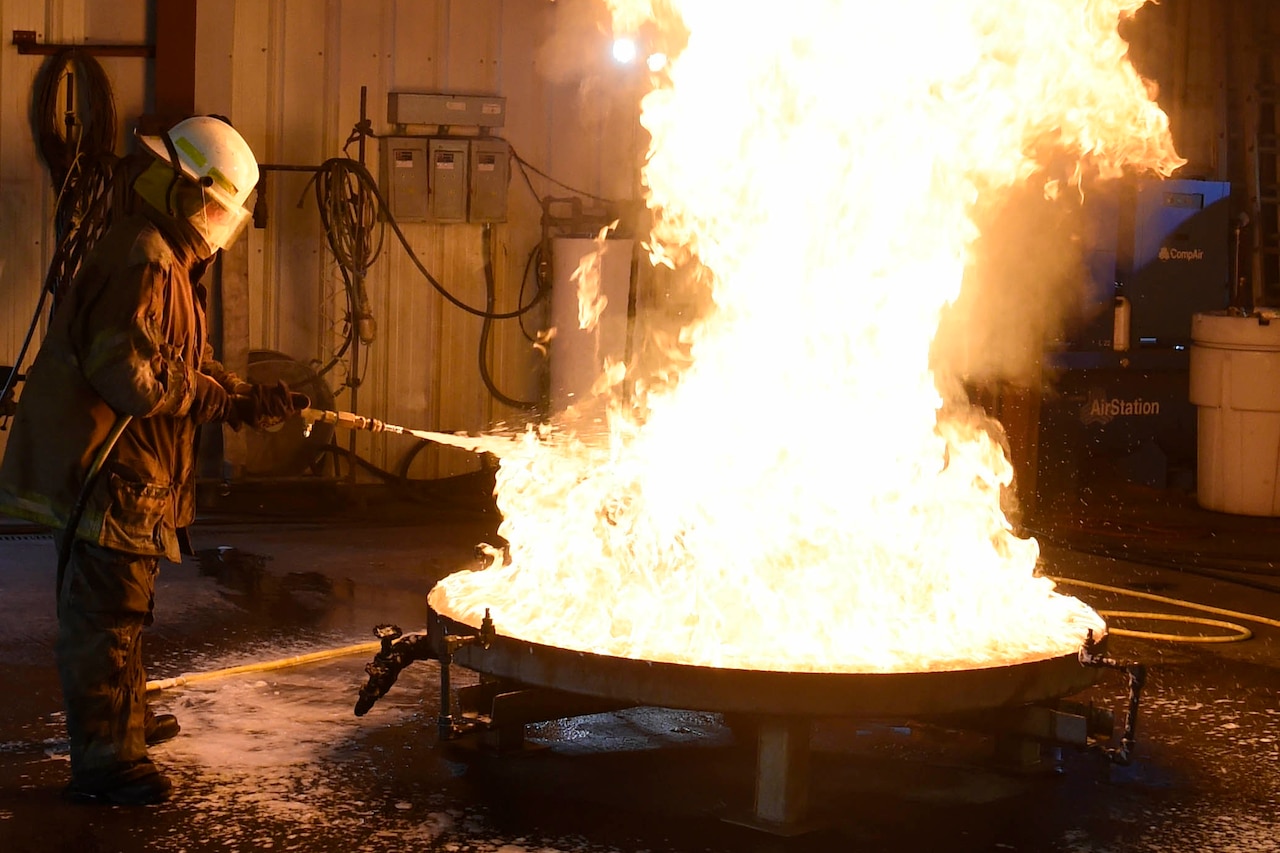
x=388 y=634
x=346 y=420
x=309 y=419
x=397 y=652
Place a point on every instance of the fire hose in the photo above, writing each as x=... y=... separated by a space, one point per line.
x=264 y=666
x=1237 y=633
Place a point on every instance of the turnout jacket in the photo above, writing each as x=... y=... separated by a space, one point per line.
x=127 y=340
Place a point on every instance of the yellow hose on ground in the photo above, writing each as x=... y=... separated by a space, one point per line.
x=1241 y=632
x=264 y=666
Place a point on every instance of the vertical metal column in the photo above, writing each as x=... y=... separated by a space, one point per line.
x=782 y=771
x=358 y=285
x=1264 y=142
x=174 y=81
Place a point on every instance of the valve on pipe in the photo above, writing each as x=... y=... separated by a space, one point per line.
x=400 y=649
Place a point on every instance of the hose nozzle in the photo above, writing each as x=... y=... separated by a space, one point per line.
x=346 y=420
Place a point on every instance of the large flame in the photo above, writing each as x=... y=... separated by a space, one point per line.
x=807 y=496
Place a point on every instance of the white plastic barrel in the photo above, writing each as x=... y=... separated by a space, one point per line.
x=1235 y=386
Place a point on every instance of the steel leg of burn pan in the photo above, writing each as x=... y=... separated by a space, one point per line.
x=782 y=780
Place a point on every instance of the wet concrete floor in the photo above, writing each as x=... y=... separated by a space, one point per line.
x=276 y=760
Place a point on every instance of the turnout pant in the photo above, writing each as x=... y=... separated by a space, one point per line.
x=104 y=601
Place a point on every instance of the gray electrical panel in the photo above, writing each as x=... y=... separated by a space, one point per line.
x=443 y=179
x=447 y=175
x=404 y=178
x=490 y=174
x=446 y=110
x=450 y=175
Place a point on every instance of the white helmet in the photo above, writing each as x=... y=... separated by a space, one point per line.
x=209 y=152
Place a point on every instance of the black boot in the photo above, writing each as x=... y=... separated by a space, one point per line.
x=136 y=784
x=160 y=727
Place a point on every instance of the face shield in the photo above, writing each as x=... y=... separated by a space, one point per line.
x=219 y=220
x=215 y=218
x=211 y=174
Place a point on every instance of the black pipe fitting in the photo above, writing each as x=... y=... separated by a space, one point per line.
x=396 y=653
x=399 y=650
x=1136 y=676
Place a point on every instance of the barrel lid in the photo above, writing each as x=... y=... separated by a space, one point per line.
x=1260 y=330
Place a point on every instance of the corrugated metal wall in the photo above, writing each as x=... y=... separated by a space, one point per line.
x=289 y=74
x=26 y=194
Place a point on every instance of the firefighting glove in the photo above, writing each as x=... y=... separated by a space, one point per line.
x=212 y=403
x=268 y=406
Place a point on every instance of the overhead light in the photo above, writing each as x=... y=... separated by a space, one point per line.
x=625 y=50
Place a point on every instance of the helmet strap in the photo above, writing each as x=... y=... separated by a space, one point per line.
x=177 y=172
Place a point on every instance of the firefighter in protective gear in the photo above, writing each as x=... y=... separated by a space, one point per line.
x=128 y=348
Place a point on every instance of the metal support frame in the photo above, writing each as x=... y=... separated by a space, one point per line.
x=524 y=683
x=496 y=712
x=492 y=716
x=1030 y=740
x=27 y=44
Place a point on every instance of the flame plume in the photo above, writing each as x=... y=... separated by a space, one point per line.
x=806 y=496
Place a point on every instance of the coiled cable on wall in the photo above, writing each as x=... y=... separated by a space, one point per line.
x=77 y=142
x=349 y=214
x=354 y=215
x=368 y=186
x=76 y=139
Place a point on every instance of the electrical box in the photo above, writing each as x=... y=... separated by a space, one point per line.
x=1181 y=258
x=403 y=174
x=447 y=175
x=1165 y=246
x=490 y=173
x=446 y=110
